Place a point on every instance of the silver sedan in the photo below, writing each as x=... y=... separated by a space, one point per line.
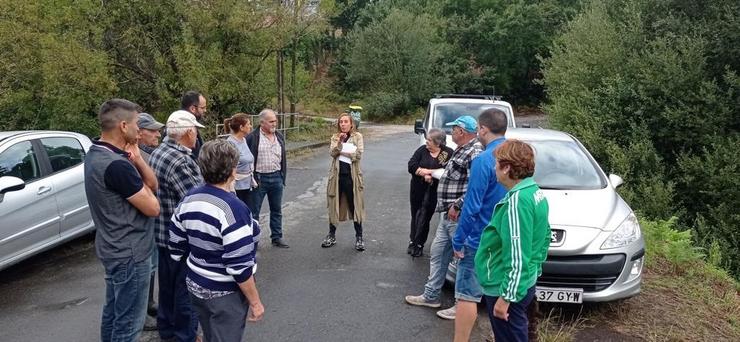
x=42 y=192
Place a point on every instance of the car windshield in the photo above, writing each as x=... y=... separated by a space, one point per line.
x=448 y=112
x=564 y=165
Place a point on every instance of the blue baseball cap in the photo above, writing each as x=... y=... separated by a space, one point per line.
x=465 y=122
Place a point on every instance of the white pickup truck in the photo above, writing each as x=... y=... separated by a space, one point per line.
x=446 y=108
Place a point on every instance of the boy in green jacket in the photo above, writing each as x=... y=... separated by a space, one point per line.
x=514 y=245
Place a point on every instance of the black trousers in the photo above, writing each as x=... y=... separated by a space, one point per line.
x=246 y=197
x=422 y=210
x=346 y=189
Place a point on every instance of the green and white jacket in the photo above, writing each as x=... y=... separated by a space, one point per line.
x=514 y=244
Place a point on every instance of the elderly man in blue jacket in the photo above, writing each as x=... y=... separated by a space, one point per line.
x=480 y=199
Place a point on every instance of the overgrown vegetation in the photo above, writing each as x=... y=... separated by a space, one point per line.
x=651 y=88
x=60 y=59
x=684 y=298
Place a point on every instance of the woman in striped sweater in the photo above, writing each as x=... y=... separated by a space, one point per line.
x=215 y=231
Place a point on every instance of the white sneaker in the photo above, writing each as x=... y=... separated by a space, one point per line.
x=448 y=313
x=420 y=300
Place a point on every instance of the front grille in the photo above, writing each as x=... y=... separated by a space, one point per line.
x=587 y=283
x=592 y=273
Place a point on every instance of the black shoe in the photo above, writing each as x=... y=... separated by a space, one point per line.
x=151 y=309
x=418 y=251
x=329 y=241
x=359 y=244
x=410 y=248
x=279 y=243
x=150 y=323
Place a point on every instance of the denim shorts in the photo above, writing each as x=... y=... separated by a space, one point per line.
x=466 y=282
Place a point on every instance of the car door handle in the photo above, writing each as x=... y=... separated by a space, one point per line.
x=43 y=189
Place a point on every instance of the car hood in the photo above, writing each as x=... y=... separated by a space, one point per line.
x=602 y=209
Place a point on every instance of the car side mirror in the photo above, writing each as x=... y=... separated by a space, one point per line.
x=10 y=183
x=615 y=180
x=419 y=127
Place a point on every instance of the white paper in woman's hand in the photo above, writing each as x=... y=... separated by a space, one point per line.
x=437 y=173
x=347 y=148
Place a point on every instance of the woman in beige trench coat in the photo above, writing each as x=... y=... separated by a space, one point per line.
x=344 y=191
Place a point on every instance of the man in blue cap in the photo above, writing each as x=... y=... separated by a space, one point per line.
x=450 y=197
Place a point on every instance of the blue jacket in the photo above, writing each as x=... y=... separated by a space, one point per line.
x=483 y=193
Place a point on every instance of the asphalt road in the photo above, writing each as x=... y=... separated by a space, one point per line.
x=309 y=293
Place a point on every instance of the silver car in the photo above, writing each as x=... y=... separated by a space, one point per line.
x=42 y=192
x=597 y=250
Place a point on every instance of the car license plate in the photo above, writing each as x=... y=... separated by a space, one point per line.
x=558 y=295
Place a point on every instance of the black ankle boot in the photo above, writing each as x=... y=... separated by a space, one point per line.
x=418 y=251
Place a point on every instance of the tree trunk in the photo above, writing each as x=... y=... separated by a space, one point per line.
x=293 y=92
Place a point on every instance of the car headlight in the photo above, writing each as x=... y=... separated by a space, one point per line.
x=626 y=233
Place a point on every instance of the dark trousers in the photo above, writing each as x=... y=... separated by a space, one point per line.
x=346 y=189
x=247 y=196
x=516 y=328
x=175 y=315
x=223 y=318
x=270 y=185
x=422 y=210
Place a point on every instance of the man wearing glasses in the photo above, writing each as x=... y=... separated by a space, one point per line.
x=195 y=103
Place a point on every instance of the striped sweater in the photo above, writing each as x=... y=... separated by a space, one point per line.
x=217 y=233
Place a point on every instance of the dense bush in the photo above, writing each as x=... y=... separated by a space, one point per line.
x=650 y=87
x=397 y=58
x=60 y=59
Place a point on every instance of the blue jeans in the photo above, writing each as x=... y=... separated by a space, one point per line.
x=517 y=327
x=440 y=257
x=176 y=317
x=126 y=293
x=466 y=281
x=270 y=184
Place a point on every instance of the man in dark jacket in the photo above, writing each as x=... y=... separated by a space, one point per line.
x=268 y=147
x=195 y=103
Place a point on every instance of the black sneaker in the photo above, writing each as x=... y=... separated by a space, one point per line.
x=279 y=243
x=418 y=251
x=329 y=241
x=410 y=248
x=359 y=244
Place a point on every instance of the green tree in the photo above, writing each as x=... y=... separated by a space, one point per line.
x=400 y=54
x=51 y=75
x=498 y=43
x=649 y=86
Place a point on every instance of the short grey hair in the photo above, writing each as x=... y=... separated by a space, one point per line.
x=437 y=136
x=263 y=114
x=217 y=160
x=175 y=133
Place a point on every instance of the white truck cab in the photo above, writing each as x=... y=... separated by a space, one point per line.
x=444 y=108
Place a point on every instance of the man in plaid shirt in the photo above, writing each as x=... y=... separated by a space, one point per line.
x=450 y=193
x=177 y=173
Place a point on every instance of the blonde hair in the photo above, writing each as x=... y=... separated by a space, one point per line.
x=351 y=122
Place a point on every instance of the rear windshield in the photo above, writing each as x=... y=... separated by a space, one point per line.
x=448 y=112
x=564 y=165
